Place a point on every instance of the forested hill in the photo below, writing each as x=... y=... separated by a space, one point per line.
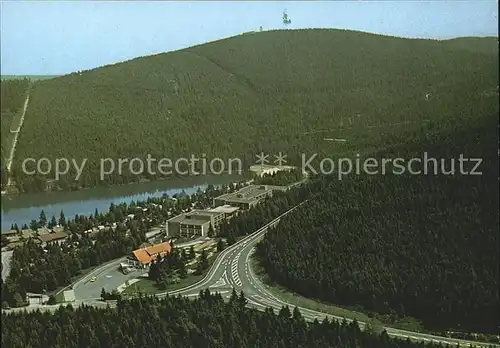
x=272 y=91
x=424 y=246
x=486 y=45
x=12 y=97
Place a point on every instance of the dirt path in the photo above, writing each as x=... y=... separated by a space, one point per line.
x=16 y=134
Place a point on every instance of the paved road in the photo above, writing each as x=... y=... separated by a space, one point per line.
x=109 y=277
x=232 y=269
x=6 y=257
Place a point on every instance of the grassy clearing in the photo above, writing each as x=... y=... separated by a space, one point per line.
x=377 y=321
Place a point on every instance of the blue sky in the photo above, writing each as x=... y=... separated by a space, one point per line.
x=44 y=37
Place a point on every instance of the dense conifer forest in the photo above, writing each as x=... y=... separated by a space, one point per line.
x=179 y=322
x=280 y=178
x=419 y=245
x=13 y=94
x=424 y=246
x=273 y=91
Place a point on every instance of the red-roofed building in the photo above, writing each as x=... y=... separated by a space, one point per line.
x=143 y=257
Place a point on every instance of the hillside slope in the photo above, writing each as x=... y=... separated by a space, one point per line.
x=271 y=91
x=12 y=97
x=424 y=246
x=484 y=45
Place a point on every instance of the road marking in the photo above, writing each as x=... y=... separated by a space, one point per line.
x=234 y=270
x=221 y=281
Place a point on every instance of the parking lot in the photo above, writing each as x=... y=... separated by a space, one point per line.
x=108 y=277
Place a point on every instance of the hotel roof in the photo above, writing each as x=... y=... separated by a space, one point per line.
x=195 y=217
x=193 y=221
x=159 y=248
x=227 y=209
x=148 y=254
x=246 y=194
x=27 y=233
x=52 y=236
x=142 y=256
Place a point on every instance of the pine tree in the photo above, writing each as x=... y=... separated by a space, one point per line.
x=285 y=312
x=104 y=295
x=231 y=239
x=202 y=263
x=43 y=218
x=182 y=270
x=53 y=222
x=220 y=245
x=192 y=253
x=211 y=232
x=52 y=300
x=234 y=297
x=242 y=301
x=297 y=315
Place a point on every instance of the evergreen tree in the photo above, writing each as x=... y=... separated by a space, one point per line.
x=234 y=297
x=34 y=225
x=220 y=245
x=62 y=219
x=297 y=315
x=53 y=222
x=43 y=219
x=192 y=253
x=231 y=239
x=202 y=262
x=211 y=232
x=242 y=301
x=285 y=312
x=51 y=300
x=182 y=270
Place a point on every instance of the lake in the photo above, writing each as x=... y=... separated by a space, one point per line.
x=24 y=208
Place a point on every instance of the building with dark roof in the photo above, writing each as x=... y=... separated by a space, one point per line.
x=54 y=237
x=194 y=223
x=247 y=197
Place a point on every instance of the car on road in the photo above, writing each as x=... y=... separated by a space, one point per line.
x=93 y=279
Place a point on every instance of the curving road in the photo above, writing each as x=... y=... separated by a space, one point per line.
x=6 y=257
x=109 y=277
x=232 y=269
